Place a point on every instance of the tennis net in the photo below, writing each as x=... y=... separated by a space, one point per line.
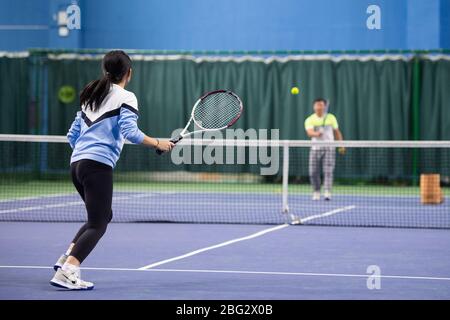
x=375 y=183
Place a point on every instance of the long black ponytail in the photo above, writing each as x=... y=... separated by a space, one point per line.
x=116 y=64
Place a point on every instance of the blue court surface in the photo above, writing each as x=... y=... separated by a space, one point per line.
x=231 y=261
x=243 y=208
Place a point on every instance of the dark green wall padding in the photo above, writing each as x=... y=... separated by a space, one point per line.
x=370 y=99
x=15 y=106
x=383 y=99
x=373 y=100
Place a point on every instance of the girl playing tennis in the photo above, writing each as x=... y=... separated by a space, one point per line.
x=108 y=116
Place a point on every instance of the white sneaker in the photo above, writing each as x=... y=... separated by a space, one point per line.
x=316 y=195
x=327 y=195
x=295 y=220
x=60 y=262
x=70 y=281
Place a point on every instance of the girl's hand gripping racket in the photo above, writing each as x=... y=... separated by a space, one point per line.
x=214 y=111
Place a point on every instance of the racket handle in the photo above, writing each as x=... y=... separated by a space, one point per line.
x=173 y=140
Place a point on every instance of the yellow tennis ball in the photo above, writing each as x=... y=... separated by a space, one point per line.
x=295 y=90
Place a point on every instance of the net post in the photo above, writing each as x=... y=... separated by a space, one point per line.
x=44 y=116
x=285 y=178
x=415 y=116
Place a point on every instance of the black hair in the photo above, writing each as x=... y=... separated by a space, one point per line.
x=320 y=100
x=115 y=64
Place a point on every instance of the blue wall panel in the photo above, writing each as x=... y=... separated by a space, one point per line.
x=230 y=24
x=23 y=24
x=445 y=24
x=423 y=24
x=243 y=24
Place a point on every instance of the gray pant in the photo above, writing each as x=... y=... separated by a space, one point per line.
x=325 y=158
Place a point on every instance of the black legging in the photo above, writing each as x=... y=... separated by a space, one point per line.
x=93 y=181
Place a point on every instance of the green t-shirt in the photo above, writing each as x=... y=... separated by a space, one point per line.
x=327 y=123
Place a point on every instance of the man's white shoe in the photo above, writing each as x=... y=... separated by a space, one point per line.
x=60 y=262
x=327 y=195
x=70 y=280
x=316 y=196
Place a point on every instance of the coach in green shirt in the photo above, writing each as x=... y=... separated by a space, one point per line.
x=322 y=126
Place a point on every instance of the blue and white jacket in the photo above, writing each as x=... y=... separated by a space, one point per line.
x=100 y=135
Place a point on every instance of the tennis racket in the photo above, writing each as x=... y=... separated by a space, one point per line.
x=214 y=111
x=327 y=105
x=341 y=150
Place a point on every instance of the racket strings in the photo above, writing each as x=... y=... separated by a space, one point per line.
x=216 y=111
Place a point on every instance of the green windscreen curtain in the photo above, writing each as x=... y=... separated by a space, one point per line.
x=435 y=100
x=435 y=110
x=14 y=95
x=370 y=99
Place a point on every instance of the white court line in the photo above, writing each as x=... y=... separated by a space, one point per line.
x=56 y=195
x=38 y=197
x=326 y=214
x=46 y=206
x=224 y=201
x=274 y=273
x=219 y=245
x=71 y=203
